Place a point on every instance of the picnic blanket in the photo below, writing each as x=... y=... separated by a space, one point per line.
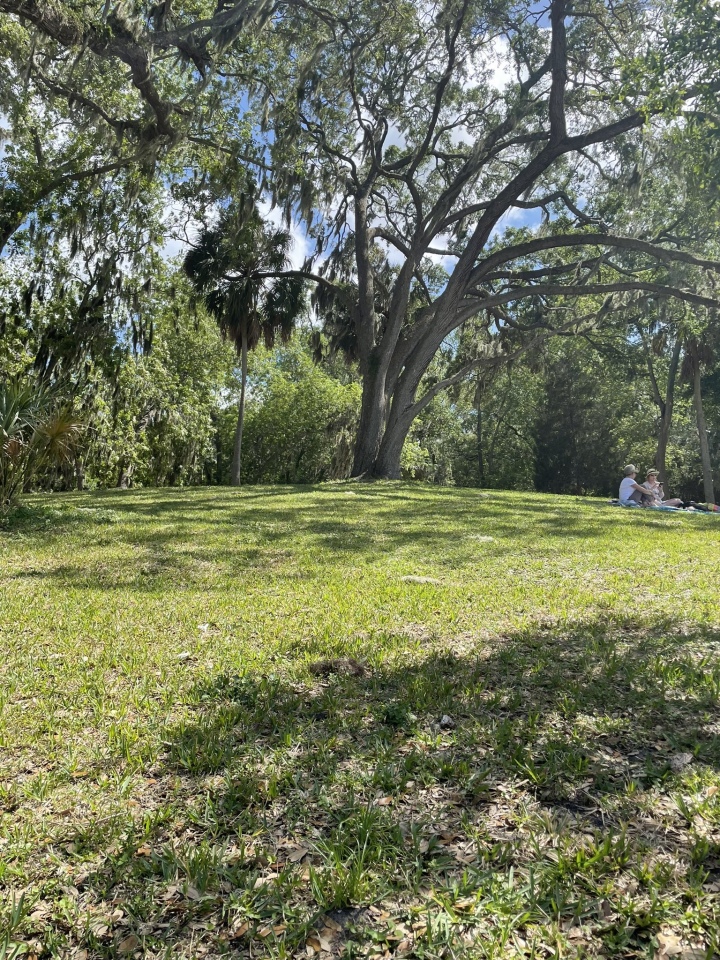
x=634 y=506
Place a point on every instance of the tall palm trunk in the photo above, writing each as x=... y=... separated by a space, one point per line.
x=237 y=452
x=709 y=491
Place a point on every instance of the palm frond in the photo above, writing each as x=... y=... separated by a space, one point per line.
x=202 y=263
x=58 y=436
x=35 y=434
x=284 y=302
x=228 y=267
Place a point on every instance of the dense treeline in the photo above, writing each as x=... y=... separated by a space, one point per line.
x=564 y=419
x=472 y=242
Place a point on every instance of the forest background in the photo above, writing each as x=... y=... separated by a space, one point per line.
x=151 y=134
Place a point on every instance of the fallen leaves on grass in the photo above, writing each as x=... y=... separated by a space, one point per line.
x=669 y=945
x=319 y=942
x=680 y=761
x=129 y=945
x=296 y=854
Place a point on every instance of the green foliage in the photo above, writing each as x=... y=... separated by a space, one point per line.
x=254 y=111
x=36 y=434
x=231 y=267
x=239 y=268
x=300 y=423
x=432 y=447
x=90 y=104
x=594 y=415
x=565 y=420
x=156 y=425
x=63 y=307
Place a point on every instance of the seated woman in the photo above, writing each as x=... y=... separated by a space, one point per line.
x=631 y=493
x=656 y=493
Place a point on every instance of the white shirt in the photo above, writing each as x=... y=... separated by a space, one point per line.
x=627 y=487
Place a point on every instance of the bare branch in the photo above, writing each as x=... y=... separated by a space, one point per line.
x=582 y=290
x=588 y=239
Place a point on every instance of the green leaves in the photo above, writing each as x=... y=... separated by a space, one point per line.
x=35 y=434
x=240 y=267
x=301 y=422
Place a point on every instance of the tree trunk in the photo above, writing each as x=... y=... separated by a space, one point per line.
x=403 y=409
x=370 y=428
x=237 y=451
x=125 y=478
x=479 y=432
x=402 y=415
x=387 y=462
x=373 y=356
x=666 y=412
x=7 y=229
x=709 y=491
x=480 y=457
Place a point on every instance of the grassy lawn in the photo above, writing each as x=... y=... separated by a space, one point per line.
x=384 y=721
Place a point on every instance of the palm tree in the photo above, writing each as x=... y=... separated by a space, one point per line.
x=240 y=269
x=35 y=434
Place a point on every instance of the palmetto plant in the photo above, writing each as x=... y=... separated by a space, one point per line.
x=35 y=434
x=240 y=268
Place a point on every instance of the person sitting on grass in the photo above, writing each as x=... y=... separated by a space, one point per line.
x=655 y=498
x=631 y=493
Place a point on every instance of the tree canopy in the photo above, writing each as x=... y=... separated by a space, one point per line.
x=466 y=180
x=419 y=133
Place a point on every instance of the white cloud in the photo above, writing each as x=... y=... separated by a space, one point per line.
x=300 y=247
x=180 y=230
x=394 y=256
x=492 y=64
x=395 y=137
x=174 y=247
x=516 y=217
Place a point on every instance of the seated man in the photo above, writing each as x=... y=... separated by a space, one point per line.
x=631 y=493
x=656 y=492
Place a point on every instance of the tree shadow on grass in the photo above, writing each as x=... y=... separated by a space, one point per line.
x=233 y=535
x=531 y=783
x=654 y=687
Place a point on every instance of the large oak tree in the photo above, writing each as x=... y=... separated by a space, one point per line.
x=409 y=133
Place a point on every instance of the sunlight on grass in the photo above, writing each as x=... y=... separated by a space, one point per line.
x=380 y=719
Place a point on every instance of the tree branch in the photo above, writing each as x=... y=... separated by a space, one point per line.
x=460 y=375
x=558 y=59
x=588 y=239
x=583 y=290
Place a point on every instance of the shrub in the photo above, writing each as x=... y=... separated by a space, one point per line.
x=36 y=435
